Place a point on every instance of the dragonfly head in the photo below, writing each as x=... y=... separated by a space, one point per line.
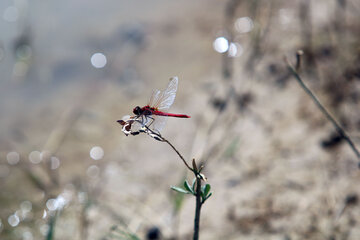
x=137 y=110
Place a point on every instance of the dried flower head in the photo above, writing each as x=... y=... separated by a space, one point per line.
x=135 y=125
x=130 y=125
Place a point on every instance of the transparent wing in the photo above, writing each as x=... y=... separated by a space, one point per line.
x=162 y=101
x=154 y=98
x=159 y=123
x=136 y=126
x=167 y=97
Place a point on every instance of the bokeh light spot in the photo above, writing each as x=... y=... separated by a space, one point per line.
x=45 y=155
x=26 y=206
x=96 y=153
x=27 y=235
x=54 y=163
x=52 y=204
x=244 y=24
x=13 y=158
x=35 y=157
x=62 y=200
x=235 y=50
x=93 y=171
x=98 y=60
x=221 y=44
x=13 y=220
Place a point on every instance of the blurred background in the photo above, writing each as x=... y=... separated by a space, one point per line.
x=278 y=170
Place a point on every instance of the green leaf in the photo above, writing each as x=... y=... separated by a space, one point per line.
x=203 y=196
x=180 y=190
x=205 y=192
x=187 y=187
x=208 y=196
x=207 y=189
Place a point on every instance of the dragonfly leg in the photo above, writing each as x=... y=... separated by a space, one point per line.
x=143 y=120
x=152 y=120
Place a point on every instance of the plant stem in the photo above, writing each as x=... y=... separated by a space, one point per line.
x=336 y=125
x=182 y=158
x=197 y=209
x=198 y=177
x=162 y=139
x=198 y=191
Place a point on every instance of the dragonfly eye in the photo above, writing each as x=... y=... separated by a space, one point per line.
x=137 y=110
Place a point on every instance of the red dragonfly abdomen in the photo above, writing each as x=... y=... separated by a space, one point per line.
x=159 y=113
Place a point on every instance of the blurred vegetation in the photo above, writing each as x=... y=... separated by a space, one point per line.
x=278 y=168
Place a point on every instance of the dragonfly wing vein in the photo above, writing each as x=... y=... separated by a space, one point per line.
x=168 y=96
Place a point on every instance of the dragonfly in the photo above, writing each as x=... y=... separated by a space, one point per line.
x=153 y=115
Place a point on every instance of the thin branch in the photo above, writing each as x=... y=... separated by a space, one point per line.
x=298 y=60
x=182 y=158
x=158 y=136
x=336 y=125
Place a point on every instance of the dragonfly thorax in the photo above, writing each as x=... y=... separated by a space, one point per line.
x=143 y=111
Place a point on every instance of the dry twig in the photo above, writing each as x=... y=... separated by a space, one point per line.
x=338 y=128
